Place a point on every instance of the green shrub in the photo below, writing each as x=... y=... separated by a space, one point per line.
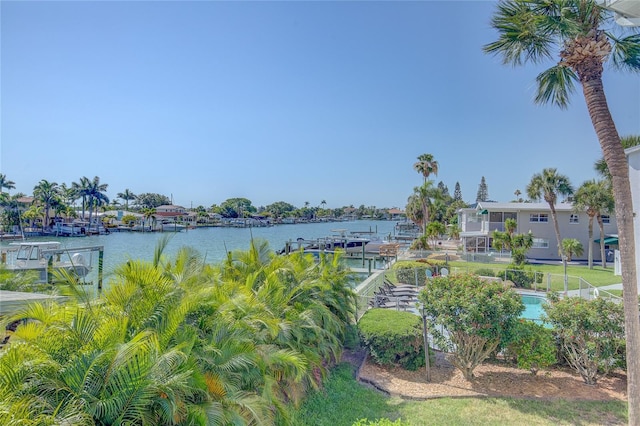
x=485 y=272
x=411 y=272
x=475 y=314
x=532 y=345
x=393 y=337
x=420 y=243
x=520 y=277
x=591 y=333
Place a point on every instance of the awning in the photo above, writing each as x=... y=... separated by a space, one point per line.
x=608 y=240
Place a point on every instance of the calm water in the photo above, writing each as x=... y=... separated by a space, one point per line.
x=213 y=243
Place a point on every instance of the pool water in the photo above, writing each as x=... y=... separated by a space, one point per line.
x=533 y=308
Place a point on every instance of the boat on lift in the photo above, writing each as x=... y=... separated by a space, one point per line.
x=47 y=256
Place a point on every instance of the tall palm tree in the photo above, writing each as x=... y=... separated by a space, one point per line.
x=595 y=198
x=426 y=166
x=96 y=197
x=48 y=194
x=68 y=194
x=428 y=195
x=81 y=189
x=6 y=183
x=548 y=185
x=535 y=31
x=127 y=195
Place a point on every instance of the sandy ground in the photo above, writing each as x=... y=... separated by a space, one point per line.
x=491 y=379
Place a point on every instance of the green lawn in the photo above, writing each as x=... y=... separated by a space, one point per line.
x=597 y=276
x=342 y=401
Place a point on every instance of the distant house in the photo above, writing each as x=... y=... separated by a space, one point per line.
x=396 y=214
x=171 y=213
x=25 y=201
x=477 y=226
x=350 y=213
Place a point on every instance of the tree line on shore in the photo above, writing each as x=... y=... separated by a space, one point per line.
x=50 y=199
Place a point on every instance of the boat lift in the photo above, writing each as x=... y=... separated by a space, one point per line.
x=46 y=257
x=77 y=259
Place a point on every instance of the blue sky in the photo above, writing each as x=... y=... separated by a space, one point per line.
x=280 y=101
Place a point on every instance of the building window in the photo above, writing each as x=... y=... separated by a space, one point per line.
x=574 y=218
x=540 y=243
x=605 y=218
x=538 y=217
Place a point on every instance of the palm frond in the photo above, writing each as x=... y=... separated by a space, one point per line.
x=555 y=86
x=625 y=52
x=161 y=245
x=524 y=36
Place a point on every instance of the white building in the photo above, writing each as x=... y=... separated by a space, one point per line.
x=477 y=226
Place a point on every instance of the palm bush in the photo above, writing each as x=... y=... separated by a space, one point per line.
x=176 y=341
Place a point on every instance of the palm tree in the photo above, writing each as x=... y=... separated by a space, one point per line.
x=149 y=214
x=426 y=165
x=95 y=193
x=127 y=195
x=81 y=190
x=425 y=195
x=48 y=194
x=531 y=31
x=5 y=183
x=548 y=185
x=32 y=213
x=595 y=198
x=517 y=193
x=572 y=247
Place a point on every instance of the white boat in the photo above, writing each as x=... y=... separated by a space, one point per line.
x=173 y=227
x=407 y=231
x=45 y=256
x=70 y=229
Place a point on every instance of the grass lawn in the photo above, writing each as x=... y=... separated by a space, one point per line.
x=551 y=276
x=343 y=400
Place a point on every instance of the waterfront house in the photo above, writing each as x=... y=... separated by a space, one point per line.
x=396 y=214
x=170 y=213
x=477 y=225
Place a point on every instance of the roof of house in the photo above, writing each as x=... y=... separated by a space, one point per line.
x=632 y=150
x=25 y=200
x=491 y=206
x=395 y=211
x=170 y=214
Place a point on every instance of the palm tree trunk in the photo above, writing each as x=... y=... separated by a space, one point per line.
x=556 y=228
x=618 y=166
x=590 y=255
x=602 y=255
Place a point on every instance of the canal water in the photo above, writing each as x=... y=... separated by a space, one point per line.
x=212 y=242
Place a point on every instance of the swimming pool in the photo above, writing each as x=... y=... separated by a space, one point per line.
x=533 y=307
